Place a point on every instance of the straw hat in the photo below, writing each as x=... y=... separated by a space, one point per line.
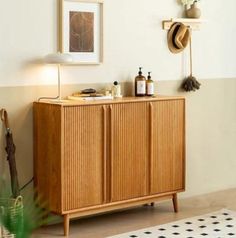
x=178 y=37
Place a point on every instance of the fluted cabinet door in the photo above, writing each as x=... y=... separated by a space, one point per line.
x=83 y=157
x=129 y=150
x=168 y=146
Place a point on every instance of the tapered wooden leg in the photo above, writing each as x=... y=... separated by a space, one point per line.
x=66 y=224
x=175 y=202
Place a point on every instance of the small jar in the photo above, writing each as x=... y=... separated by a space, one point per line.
x=116 y=90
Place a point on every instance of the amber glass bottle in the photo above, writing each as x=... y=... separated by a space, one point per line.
x=140 y=84
x=150 y=85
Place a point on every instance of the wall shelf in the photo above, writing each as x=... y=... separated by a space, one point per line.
x=193 y=23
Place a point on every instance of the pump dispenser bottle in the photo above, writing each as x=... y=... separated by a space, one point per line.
x=140 y=84
x=150 y=85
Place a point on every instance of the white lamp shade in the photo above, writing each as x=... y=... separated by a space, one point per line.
x=58 y=58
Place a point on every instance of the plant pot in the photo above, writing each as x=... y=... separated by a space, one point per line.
x=11 y=211
x=193 y=11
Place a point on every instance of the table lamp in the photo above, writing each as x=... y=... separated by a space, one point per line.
x=57 y=59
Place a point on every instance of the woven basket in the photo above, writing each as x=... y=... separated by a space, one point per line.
x=13 y=210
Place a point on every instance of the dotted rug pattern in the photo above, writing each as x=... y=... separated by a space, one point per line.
x=220 y=224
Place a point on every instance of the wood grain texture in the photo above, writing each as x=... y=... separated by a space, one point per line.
x=71 y=103
x=175 y=203
x=83 y=157
x=129 y=146
x=66 y=224
x=47 y=154
x=121 y=205
x=100 y=156
x=168 y=158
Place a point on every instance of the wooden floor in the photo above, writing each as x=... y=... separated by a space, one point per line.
x=141 y=217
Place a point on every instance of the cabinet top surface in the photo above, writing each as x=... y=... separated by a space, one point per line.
x=114 y=101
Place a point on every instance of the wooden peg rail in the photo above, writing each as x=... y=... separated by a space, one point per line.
x=194 y=24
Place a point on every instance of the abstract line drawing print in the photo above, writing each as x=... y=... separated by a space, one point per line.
x=81 y=31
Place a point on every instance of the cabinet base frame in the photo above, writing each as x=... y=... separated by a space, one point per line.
x=116 y=206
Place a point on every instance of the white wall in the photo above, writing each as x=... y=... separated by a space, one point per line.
x=132 y=37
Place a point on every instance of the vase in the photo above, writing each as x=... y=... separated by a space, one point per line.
x=193 y=11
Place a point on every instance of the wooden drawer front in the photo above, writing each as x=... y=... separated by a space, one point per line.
x=129 y=151
x=167 y=160
x=83 y=157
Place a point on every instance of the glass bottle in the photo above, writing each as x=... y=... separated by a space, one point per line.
x=140 y=84
x=150 y=85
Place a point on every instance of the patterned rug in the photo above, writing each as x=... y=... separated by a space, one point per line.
x=220 y=224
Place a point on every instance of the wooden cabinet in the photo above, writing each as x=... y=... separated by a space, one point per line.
x=93 y=157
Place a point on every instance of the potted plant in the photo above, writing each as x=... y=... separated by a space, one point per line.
x=18 y=221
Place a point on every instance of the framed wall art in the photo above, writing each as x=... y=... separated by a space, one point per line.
x=81 y=30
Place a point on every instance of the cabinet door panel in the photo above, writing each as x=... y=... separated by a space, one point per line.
x=168 y=155
x=129 y=151
x=83 y=157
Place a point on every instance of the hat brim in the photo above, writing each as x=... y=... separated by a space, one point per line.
x=173 y=47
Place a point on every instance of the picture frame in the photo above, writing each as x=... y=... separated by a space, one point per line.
x=81 y=30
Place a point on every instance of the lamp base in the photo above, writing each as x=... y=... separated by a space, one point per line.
x=52 y=99
x=49 y=98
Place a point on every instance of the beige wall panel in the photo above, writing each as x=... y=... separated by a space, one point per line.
x=210 y=130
